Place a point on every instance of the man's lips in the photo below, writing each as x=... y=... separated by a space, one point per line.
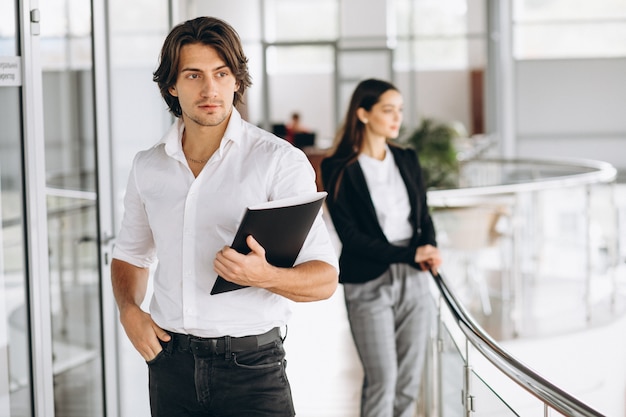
x=209 y=106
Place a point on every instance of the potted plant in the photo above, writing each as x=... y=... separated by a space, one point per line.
x=434 y=143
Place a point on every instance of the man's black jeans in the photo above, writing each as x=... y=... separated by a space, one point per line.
x=192 y=377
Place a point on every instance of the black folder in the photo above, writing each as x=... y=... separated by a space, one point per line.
x=280 y=226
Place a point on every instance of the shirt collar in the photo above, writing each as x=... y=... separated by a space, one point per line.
x=173 y=138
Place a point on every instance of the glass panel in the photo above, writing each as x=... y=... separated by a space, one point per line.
x=15 y=381
x=284 y=20
x=72 y=216
x=488 y=402
x=8 y=19
x=451 y=377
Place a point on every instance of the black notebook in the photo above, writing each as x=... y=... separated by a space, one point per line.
x=280 y=226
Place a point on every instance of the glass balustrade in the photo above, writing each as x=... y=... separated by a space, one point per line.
x=514 y=234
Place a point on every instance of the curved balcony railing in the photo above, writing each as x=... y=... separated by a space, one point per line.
x=493 y=230
x=550 y=395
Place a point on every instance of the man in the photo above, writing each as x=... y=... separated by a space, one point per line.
x=212 y=355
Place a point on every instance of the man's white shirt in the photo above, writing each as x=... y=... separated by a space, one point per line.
x=183 y=221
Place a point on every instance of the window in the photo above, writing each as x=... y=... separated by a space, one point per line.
x=66 y=35
x=301 y=20
x=440 y=34
x=569 y=29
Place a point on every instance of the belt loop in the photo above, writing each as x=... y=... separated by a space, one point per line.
x=226 y=347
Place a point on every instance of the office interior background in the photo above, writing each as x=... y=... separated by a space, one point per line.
x=519 y=79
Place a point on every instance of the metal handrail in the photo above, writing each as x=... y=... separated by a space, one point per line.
x=600 y=172
x=521 y=374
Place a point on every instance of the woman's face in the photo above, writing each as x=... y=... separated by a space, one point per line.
x=385 y=117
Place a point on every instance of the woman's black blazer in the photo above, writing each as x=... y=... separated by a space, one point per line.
x=365 y=252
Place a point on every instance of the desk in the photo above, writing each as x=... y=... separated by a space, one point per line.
x=315 y=156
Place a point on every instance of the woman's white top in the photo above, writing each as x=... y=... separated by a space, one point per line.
x=389 y=195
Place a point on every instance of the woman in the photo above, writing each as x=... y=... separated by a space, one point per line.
x=377 y=201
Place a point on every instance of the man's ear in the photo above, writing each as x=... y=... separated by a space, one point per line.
x=172 y=91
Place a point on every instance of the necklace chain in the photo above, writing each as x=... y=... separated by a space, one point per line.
x=196 y=161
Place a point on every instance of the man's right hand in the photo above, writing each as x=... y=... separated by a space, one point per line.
x=143 y=332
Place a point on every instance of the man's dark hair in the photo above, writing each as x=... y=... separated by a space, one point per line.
x=207 y=31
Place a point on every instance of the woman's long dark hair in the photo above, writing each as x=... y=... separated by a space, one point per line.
x=207 y=31
x=349 y=140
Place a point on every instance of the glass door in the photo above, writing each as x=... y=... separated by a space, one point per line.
x=15 y=370
x=52 y=239
x=67 y=62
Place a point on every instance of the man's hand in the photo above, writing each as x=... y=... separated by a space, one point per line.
x=250 y=270
x=428 y=257
x=308 y=281
x=143 y=332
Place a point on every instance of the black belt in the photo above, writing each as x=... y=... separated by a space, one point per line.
x=203 y=346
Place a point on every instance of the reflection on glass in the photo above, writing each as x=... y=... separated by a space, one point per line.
x=451 y=377
x=8 y=40
x=65 y=34
x=15 y=383
x=72 y=210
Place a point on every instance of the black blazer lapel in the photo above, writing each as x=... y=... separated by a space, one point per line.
x=355 y=175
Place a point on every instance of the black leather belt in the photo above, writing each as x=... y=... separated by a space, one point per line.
x=203 y=346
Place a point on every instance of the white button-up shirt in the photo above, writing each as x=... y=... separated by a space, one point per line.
x=183 y=221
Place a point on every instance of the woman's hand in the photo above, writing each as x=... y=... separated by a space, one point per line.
x=428 y=258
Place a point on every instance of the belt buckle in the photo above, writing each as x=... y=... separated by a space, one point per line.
x=203 y=347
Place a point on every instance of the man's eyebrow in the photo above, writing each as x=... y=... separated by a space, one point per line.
x=192 y=69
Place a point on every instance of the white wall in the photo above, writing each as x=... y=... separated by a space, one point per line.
x=572 y=108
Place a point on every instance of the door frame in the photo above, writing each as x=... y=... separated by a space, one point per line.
x=104 y=184
x=35 y=209
x=35 y=213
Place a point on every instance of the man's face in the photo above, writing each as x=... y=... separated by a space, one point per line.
x=205 y=86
